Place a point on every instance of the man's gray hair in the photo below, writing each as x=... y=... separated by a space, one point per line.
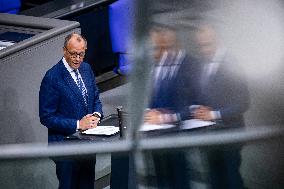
x=79 y=38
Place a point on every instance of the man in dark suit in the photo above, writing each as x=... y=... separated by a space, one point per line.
x=168 y=77
x=170 y=166
x=69 y=101
x=219 y=89
x=219 y=82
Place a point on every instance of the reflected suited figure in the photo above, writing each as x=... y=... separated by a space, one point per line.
x=69 y=101
x=220 y=89
x=170 y=166
x=168 y=77
x=219 y=82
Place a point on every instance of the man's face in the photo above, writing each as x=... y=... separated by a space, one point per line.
x=74 y=52
x=162 y=42
x=207 y=44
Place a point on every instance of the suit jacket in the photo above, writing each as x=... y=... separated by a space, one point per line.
x=226 y=91
x=61 y=102
x=172 y=94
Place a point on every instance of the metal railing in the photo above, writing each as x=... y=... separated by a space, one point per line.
x=183 y=140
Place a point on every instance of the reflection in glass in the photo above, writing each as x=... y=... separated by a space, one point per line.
x=206 y=77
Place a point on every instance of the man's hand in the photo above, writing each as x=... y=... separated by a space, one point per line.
x=88 y=121
x=153 y=117
x=203 y=113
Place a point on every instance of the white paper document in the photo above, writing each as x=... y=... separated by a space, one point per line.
x=152 y=127
x=196 y=123
x=102 y=130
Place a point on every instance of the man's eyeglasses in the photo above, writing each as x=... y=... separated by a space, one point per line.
x=74 y=54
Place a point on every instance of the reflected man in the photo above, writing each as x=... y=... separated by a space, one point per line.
x=221 y=95
x=170 y=166
x=168 y=78
x=220 y=85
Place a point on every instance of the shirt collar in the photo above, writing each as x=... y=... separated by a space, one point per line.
x=67 y=65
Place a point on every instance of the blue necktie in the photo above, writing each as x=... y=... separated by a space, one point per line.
x=81 y=87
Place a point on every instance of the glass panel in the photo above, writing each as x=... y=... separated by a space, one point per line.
x=252 y=165
x=209 y=67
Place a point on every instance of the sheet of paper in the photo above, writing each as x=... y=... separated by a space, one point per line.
x=102 y=130
x=195 y=123
x=152 y=127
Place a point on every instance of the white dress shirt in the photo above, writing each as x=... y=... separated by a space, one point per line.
x=72 y=73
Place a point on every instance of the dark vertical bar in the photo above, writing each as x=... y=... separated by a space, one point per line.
x=120 y=122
